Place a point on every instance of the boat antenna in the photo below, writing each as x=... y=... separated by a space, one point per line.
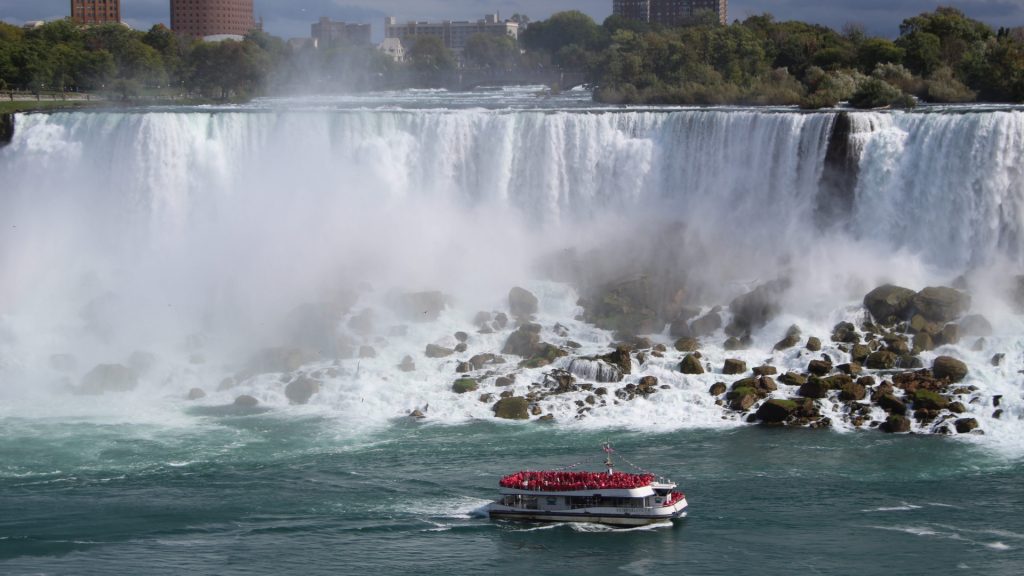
x=607 y=447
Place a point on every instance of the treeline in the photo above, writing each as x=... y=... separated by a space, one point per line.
x=61 y=56
x=940 y=57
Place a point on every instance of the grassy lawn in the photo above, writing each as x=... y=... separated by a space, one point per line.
x=9 y=107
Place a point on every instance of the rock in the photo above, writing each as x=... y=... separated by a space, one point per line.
x=464 y=385
x=417 y=414
x=463 y=367
x=733 y=366
x=966 y=425
x=419 y=306
x=892 y=404
x=461 y=347
x=500 y=320
x=941 y=304
x=845 y=332
x=196 y=394
x=813 y=344
x=523 y=341
x=522 y=303
x=859 y=353
x=367 y=352
x=881 y=360
x=957 y=407
x=776 y=411
x=680 y=326
x=756 y=308
x=621 y=358
x=997 y=359
x=486 y=398
x=109 y=378
x=461 y=336
x=896 y=424
x=707 y=324
x=687 y=345
x=504 y=381
x=950 y=334
x=948 y=368
x=407 y=364
x=300 y=390
x=975 y=325
x=791 y=339
x=742 y=399
x=246 y=401
x=850 y=368
x=625 y=307
x=717 y=389
x=227 y=384
x=480 y=360
x=923 y=342
x=852 y=392
x=889 y=304
x=514 y=408
x=691 y=365
x=435 y=351
x=909 y=362
x=733 y=344
x=482 y=318
x=765 y=370
x=815 y=388
x=793 y=379
x=819 y=367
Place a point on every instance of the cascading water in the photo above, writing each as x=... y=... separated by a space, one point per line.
x=194 y=234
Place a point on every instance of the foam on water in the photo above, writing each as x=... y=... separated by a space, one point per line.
x=193 y=235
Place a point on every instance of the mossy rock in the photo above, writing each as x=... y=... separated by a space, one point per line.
x=691 y=365
x=929 y=400
x=815 y=388
x=514 y=408
x=776 y=411
x=733 y=366
x=464 y=385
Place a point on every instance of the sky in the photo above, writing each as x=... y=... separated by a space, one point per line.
x=292 y=18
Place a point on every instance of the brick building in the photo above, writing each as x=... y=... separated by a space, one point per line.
x=670 y=12
x=96 y=11
x=212 y=18
x=454 y=34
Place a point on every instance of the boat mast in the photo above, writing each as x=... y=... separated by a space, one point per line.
x=608 y=460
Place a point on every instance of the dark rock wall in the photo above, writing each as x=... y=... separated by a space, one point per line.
x=6 y=129
x=839 y=178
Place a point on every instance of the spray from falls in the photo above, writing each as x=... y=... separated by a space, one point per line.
x=198 y=235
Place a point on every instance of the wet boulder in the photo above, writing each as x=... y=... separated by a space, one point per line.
x=687 y=345
x=300 y=390
x=435 y=351
x=196 y=394
x=948 y=368
x=733 y=366
x=966 y=425
x=407 y=364
x=975 y=325
x=881 y=360
x=896 y=424
x=246 y=401
x=707 y=324
x=522 y=303
x=691 y=365
x=813 y=344
x=776 y=411
x=815 y=388
x=791 y=339
x=889 y=304
x=717 y=389
x=756 y=308
x=819 y=367
x=464 y=385
x=941 y=304
x=109 y=378
x=626 y=307
x=742 y=399
x=523 y=341
x=512 y=408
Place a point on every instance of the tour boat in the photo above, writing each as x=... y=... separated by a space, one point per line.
x=610 y=497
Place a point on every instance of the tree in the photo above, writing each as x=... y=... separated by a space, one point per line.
x=875 y=51
x=429 y=54
x=491 y=51
x=565 y=29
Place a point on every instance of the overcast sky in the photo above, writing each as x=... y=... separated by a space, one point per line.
x=291 y=18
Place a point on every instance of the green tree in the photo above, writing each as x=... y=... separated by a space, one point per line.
x=429 y=54
x=491 y=51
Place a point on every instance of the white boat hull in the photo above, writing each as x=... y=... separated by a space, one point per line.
x=624 y=517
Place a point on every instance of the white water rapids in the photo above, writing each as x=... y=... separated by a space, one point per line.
x=192 y=234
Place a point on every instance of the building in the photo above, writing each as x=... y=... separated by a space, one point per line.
x=329 y=34
x=393 y=48
x=96 y=11
x=670 y=12
x=213 y=19
x=453 y=34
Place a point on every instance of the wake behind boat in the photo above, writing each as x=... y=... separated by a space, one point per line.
x=613 y=498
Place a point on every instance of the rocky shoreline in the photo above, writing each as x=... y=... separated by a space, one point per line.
x=868 y=376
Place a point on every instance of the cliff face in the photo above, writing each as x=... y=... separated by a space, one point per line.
x=6 y=129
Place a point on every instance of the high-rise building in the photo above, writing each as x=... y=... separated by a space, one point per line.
x=96 y=11
x=212 y=18
x=454 y=34
x=330 y=34
x=671 y=12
